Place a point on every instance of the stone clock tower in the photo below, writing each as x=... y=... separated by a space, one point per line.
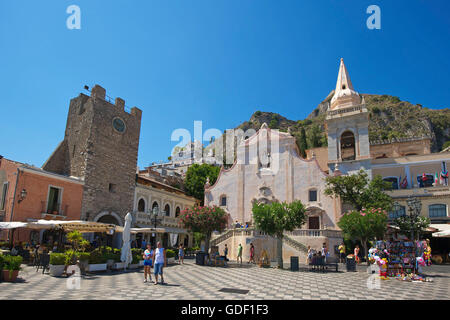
x=101 y=146
x=347 y=123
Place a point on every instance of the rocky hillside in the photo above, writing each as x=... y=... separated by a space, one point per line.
x=390 y=119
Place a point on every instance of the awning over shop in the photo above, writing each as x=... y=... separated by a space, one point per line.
x=158 y=230
x=79 y=225
x=12 y=225
x=443 y=230
x=147 y=230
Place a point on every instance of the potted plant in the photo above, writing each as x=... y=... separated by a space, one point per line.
x=11 y=268
x=83 y=261
x=97 y=261
x=57 y=264
x=135 y=262
x=170 y=256
x=137 y=258
x=118 y=265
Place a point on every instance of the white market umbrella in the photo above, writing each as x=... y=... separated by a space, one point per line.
x=125 y=255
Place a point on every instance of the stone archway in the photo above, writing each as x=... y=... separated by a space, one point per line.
x=315 y=217
x=114 y=240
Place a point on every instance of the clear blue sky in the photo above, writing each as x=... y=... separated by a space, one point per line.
x=212 y=60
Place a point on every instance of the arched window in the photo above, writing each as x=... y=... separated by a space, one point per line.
x=223 y=201
x=393 y=180
x=177 y=211
x=401 y=212
x=155 y=206
x=348 y=151
x=167 y=210
x=141 y=205
x=437 y=210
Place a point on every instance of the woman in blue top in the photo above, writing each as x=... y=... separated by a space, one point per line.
x=181 y=254
x=147 y=256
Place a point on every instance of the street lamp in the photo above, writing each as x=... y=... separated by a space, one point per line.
x=155 y=216
x=414 y=208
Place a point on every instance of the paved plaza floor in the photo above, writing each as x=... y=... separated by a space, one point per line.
x=190 y=281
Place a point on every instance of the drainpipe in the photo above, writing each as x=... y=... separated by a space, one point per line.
x=11 y=232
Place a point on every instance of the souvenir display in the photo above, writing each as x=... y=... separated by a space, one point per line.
x=401 y=260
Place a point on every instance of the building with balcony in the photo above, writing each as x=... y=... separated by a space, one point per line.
x=156 y=200
x=29 y=193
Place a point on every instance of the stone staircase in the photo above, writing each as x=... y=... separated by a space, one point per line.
x=295 y=244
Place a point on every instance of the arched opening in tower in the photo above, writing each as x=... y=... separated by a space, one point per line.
x=348 y=151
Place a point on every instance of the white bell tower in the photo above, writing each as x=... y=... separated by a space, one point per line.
x=347 y=124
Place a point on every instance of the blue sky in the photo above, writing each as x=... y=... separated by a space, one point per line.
x=212 y=60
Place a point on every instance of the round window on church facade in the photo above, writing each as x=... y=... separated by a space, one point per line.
x=119 y=125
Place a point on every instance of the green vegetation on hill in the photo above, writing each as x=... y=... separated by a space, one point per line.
x=390 y=119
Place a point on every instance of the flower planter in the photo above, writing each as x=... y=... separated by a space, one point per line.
x=96 y=267
x=6 y=275
x=141 y=263
x=133 y=266
x=56 y=270
x=170 y=260
x=109 y=263
x=119 y=265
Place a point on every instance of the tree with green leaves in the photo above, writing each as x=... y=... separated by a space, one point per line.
x=315 y=137
x=196 y=177
x=364 y=225
x=358 y=191
x=412 y=224
x=276 y=218
x=204 y=220
x=302 y=144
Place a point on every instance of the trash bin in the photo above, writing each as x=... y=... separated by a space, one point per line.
x=200 y=258
x=294 y=263
x=351 y=264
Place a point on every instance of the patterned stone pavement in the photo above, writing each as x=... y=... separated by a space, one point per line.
x=190 y=281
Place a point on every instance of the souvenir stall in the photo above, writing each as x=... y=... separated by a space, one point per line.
x=401 y=260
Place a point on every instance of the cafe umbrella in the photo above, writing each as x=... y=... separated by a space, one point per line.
x=125 y=255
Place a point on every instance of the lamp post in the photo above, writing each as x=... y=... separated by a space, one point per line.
x=414 y=208
x=155 y=219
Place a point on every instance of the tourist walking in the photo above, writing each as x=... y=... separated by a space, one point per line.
x=356 y=253
x=147 y=256
x=239 y=253
x=324 y=251
x=341 y=249
x=252 y=254
x=181 y=254
x=225 y=252
x=159 y=258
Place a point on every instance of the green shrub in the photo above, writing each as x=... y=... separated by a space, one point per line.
x=84 y=256
x=170 y=253
x=2 y=261
x=257 y=113
x=4 y=244
x=12 y=263
x=96 y=257
x=111 y=256
x=57 y=259
x=136 y=258
x=137 y=251
x=71 y=257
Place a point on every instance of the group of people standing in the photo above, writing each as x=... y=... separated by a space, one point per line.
x=323 y=252
x=157 y=259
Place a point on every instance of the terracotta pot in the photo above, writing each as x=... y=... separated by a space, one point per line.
x=13 y=277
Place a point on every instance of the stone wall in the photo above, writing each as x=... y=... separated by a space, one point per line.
x=105 y=158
